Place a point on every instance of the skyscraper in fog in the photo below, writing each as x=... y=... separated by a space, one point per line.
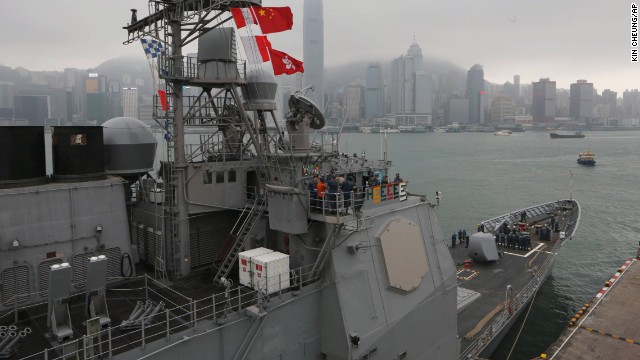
x=374 y=95
x=543 y=102
x=581 y=100
x=313 y=52
x=475 y=92
x=516 y=90
x=415 y=51
x=423 y=92
x=402 y=89
x=130 y=103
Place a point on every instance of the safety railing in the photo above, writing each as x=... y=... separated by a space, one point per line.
x=330 y=202
x=178 y=313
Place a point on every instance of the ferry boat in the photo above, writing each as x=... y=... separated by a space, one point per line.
x=586 y=158
x=503 y=133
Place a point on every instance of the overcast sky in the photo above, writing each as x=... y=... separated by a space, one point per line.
x=564 y=40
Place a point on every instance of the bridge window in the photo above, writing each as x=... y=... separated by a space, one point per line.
x=219 y=177
x=231 y=176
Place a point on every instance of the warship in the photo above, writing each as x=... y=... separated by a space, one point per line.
x=229 y=250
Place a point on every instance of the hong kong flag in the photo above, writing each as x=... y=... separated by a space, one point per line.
x=284 y=64
x=274 y=19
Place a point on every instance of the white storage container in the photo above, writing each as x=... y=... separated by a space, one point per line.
x=271 y=272
x=245 y=267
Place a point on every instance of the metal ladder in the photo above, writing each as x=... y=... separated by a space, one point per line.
x=239 y=234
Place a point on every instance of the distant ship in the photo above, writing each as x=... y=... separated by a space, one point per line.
x=503 y=133
x=576 y=135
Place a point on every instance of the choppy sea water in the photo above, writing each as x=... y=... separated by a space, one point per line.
x=481 y=176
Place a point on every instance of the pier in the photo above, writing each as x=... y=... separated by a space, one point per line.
x=607 y=327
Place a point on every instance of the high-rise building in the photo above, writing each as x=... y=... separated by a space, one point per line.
x=475 y=92
x=415 y=51
x=313 y=51
x=130 y=103
x=543 y=102
x=501 y=107
x=33 y=108
x=610 y=98
x=401 y=88
x=581 y=100
x=516 y=90
x=457 y=110
x=423 y=93
x=631 y=104
x=97 y=98
x=6 y=99
x=353 y=103
x=374 y=92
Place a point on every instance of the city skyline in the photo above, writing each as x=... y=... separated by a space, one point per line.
x=506 y=38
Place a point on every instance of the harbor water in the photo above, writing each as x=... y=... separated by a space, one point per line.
x=481 y=176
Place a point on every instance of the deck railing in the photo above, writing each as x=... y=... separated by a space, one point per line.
x=180 y=313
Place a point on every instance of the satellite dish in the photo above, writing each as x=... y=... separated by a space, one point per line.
x=301 y=106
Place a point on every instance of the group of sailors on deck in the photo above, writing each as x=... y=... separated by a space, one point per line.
x=333 y=193
x=514 y=239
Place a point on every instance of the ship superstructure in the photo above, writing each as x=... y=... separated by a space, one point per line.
x=230 y=250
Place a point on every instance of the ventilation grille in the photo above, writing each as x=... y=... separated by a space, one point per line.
x=43 y=275
x=15 y=284
x=79 y=266
x=113 y=263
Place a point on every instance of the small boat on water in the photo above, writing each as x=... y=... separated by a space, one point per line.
x=586 y=158
x=576 y=135
x=504 y=132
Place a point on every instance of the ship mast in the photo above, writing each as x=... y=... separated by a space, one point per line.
x=195 y=18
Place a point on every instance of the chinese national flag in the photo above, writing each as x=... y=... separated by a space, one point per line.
x=274 y=19
x=284 y=64
x=243 y=16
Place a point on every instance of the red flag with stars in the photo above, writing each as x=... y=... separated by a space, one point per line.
x=274 y=19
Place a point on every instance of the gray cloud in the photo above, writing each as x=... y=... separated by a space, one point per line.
x=564 y=40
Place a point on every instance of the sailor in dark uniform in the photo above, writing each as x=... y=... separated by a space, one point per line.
x=453 y=240
x=347 y=188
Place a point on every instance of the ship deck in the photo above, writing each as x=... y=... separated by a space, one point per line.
x=607 y=328
x=186 y=301
x=483 y=311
